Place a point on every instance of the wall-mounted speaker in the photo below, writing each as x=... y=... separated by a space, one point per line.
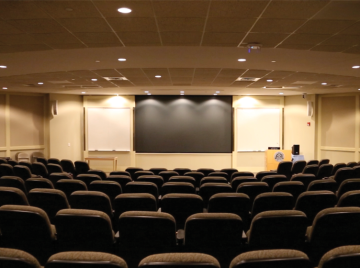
x=295 y=149
x=54 y=107
x=310 y=108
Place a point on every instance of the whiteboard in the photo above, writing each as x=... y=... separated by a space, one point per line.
x=258 y=129
x=108 y=129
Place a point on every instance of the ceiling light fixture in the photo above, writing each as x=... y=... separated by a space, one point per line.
x=273 y=61
x=97 y=61
x=83 y=92
x=324 y=84
x=121 y=59
x=358 y=88
x=149 y=93
x=3 y=66
x=157 y=76
x=146 y=91
x=215 y=94
x=356 y=67
x=269 y=80
x=124 y=10
x=181 y=91
x=93 y=79
x=281 y=93
x=4 y=88
x=40 y=83
x=242 y=60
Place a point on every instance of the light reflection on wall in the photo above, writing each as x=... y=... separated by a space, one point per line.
x=247 y=102
x=117 y=101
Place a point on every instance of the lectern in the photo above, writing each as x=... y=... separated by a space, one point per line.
x=274 y=157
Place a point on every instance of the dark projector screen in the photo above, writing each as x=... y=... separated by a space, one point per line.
x=183 y=124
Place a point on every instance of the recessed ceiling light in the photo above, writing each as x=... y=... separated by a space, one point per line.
x=97 y=61
x=281 y=93
x=359 y=89
x=273 y=61
x=4 y=88
x=269 y=80
x=181 y=91
x=158 y=76
x=83 y=92
x=149 y=93
x=215 y=94
x=146 y=91
x=242 y=60
x=124 y=10
x=121 y=59
x=40 y=83
x=356 y=67
x=93 y=79
x=3 y=66
x=324 y=84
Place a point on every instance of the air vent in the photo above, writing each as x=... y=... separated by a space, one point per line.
x=184 y=84
x=81 y=86
x=29 y=85
x=334 y=86
x=247 y=79
x=304 y=82
x=60 y=82
x=115 y=78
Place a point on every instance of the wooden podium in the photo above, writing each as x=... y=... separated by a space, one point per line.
x=274 y=157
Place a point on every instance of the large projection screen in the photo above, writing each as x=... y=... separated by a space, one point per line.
x=108 y=129
x=257 y=129
x=183 y=124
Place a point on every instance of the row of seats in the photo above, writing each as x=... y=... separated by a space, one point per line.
x=143 y=233
x=344 y=257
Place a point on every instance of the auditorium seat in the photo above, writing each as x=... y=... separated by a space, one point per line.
x=312 y=162
x=27 y=228
x=304 y=178
x=252 y=189
x=121 y=179
x=337 y=167
x=14 y=258
x=156 y=171
x=181 y=206
x=100 y=173
x=68 y=166
x=350 y=199
x=50 y=200
x=120 y=172
x=38 y=183
x=344 y=257
x=262 y=174
x=177 y=188
x=324 y=171
x=54 y=161
x=88 y=178
x=3 y=161
x=54 y=168
x=216 y=234
x=12 y=196
x=142 y=187
x=177 y=260
x=311 y=169
x=110 y=188
x=272 y=201
x=13 y=181
x=84 y=230
x=196 y=175
x=208 y=189
x=91 y=200
x=205 y=171
x=13 y=163
x=284 y=168
x=356 y=172
x=348 y=185
x=68 y=186
x=81 y=167
x=26 y=164
x=235 y=182
x=213 y=179
x=40 y=169
x=229 y=171
x=333 y=227
x=273 y=258
x=293 y=187
x=351 y=164
x=83 y=259
x=55 y=177
x=42 y=160
x=236 y=203
x=298 y=167
x=182 y=171
x=281 y=229
x=183 y=178
x=132 y=170
x=141 y=173
x=7 y=170
x=166 y=175
x=143 y=233
x=271 y=180
x=134 y=202
x=23 y=172
x=241 y=174
x=343 y=174
x=323 y=185
x=311 y=203
x=158 y=180
x=219 y=174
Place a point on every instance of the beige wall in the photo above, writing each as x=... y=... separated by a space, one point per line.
x=66 y=128
x=296 y=130
x=339 y=126
x=2 y=121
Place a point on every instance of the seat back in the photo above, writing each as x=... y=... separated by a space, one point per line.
x=42 y=160
x=142 y=187
x=312 y=162
x=20 y=156
x=209 y=189
x=100 y=173
x=284 y=168
x=324 y=161
x=295 y=188
x=88 y=178
x=12 y=196
x=323 y=185
x=55 y=177
x=205 y=171
x=50 y=200
x=166 y=175
x=85 y=230
x=182 y=171
x=348 y=185
x=156 y=171
x=177 y=188
x=351 y=164
x=183 y=178
x=40 y=169
x=304 y=178
x=229 y=171
x=324 y=171
x=343 y=174
x=7 y=170
x=350 y=199
x=298 y=167
x=132 y=170
x=54 y=161
x=272 y=201
x=68 y=166
x=197 y=176
x=121 y=179
x=141 y=173
x=311 y=169
x=54 y=168
x=38 y=183
x=282 y=229
x=158 y=180
x=120 y=172
x=252 y=189
x=69 y=186
x=13 y=181
x=181 y=206
x=344 y=257
x=13 y=162
x=91 y=200
x=81 y=167
x=213 y=179
x=262 y=174
x=134 y=202
x=26 y=164
x=311 y=203
x=337 y=166
x=271 y=180
x=241 y=174
x=15 y=258
x=239 y=180
x=22 y=172
x=219 y=174
x=111 y=188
